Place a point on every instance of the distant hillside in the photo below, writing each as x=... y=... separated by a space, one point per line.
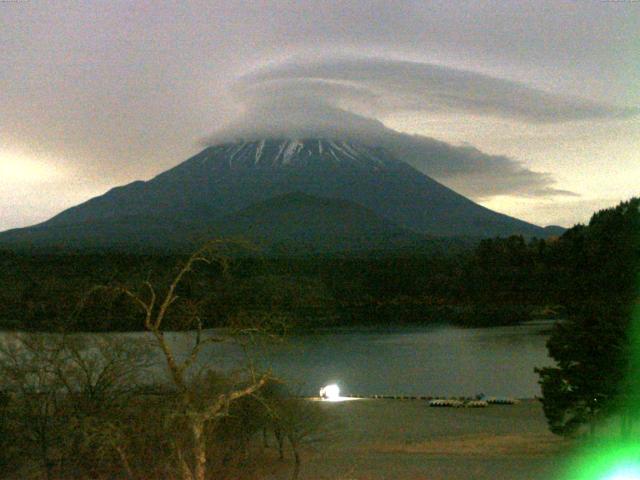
x=294 y=223
x=554 y=230
x=302 y=221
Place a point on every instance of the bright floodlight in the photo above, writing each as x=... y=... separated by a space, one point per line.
x=330 y=392
x=624 y=473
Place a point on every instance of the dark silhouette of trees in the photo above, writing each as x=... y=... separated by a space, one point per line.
x=600 y=264
x=501 y=281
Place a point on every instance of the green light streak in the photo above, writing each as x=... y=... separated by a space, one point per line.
x=613 y=461
x=616 y=458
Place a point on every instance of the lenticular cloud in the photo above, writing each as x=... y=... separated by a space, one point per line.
x=347 y=98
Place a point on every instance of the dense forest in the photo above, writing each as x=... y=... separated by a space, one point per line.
x=499 y=281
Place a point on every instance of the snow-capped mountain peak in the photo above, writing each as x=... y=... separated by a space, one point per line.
x=270 y=153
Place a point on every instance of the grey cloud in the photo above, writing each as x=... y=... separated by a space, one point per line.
x=346 y=96
x=463 y=168
x=470 y=171
x=379 y=86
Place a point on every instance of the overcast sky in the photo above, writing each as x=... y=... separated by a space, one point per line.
x=532 y=105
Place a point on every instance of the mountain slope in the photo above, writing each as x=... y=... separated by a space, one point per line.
x=223 y=180
x=299 y=220
x=294 y=222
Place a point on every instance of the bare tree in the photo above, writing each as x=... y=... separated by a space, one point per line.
x=299 y=422
x=26 y=370
x=155 y=307
x=64 y=388
x=100 y=376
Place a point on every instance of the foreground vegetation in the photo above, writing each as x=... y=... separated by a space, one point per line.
x=79 y=406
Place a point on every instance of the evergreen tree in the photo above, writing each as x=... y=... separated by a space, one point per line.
x=600 y=263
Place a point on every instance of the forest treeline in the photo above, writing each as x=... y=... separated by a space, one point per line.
x=499 y=281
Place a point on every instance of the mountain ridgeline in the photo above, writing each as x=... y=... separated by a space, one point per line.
x=318 y=194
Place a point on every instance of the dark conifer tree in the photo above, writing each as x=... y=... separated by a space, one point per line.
x=592 y=349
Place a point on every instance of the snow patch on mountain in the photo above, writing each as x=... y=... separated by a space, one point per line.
x=275 y=153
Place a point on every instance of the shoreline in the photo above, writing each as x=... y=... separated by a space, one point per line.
x=367 y=440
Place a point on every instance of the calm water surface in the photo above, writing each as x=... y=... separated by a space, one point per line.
x=434 y=361
x=438 y=360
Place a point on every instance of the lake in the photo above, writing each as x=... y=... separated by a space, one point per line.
x=432 y=361
x=422 y=361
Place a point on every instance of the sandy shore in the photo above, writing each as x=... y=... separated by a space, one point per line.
x=405 y=439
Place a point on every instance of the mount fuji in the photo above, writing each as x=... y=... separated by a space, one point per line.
x=325 y=193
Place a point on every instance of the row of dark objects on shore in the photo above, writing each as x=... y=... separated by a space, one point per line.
x=455 y=402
